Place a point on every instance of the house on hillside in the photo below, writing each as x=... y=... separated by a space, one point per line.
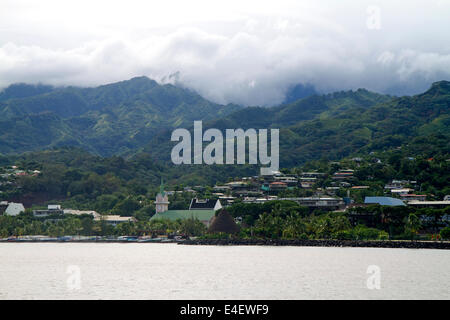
x=205 y=204
x=343 y=174
x=308 y=182
x=384 y=201
x=312 y=175
x=222 y=188
x=323 y=203
x=411 y=197
x=14 y=209
x=52 y=209
x=227 y=200
x=291 y=181
x=277 y=186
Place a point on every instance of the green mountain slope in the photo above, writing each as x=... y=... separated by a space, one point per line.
x=32 y=132
x=112 y=119
x=128 y=117
x=395 y=123
x=22 y=90
x=316 y=106
x=337 y=125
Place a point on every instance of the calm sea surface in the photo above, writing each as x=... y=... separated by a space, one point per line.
x=170 y=271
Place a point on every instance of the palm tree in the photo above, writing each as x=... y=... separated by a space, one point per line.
x=262 y=224
x=412 y=225
x=294 y=226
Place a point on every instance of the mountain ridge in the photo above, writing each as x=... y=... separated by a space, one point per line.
x=109 y=119
x=131 y=116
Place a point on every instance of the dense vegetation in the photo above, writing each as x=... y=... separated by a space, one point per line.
x=130 y=122
x=127 y=117
x=127 y=187
x=58 y=226
x=273 y=220
x=114 y=185
x=431 y=175
x=112 y=119
x=337 y=125
x=288 y=220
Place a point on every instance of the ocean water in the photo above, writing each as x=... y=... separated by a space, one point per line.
x=170 y=271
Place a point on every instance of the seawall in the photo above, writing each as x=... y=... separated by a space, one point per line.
x=321 y=243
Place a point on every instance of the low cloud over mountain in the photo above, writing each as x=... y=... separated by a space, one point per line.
x=249 y=53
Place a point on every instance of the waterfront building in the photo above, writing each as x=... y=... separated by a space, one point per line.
x=52 y=209
x=114 y=219
x=95 y=214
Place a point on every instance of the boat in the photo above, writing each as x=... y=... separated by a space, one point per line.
x=128 y=239
x=48 y=239
x=65 y=238
x=150 y=240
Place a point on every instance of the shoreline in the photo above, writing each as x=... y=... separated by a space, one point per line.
x=389 y=244
x=405 y=244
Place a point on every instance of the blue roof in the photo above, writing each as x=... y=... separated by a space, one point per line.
x=384 y=201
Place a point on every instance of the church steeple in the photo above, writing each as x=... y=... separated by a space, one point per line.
x=162 y=199
x=161 y=187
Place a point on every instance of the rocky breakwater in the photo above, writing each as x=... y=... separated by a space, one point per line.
x=320 y=243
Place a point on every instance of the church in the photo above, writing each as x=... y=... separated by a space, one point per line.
x=202 y=209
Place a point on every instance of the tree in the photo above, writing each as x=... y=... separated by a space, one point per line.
x=126 y=207
x=294 y=227
x=412 y=225
x=192 y=227
x=72 y=226
x=87 y=226
x=445 y=233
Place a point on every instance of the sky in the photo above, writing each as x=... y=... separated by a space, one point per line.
x=245 y=52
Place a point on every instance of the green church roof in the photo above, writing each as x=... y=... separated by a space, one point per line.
x=202 y=215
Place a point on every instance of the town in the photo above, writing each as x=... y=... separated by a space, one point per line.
x=353 y=206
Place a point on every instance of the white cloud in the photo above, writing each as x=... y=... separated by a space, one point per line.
x=243 y=52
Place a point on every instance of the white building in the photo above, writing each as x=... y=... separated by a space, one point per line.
x=95 y=214
x=14 y=209
x=52 y=209
x=114 y=219
x=205 y=204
